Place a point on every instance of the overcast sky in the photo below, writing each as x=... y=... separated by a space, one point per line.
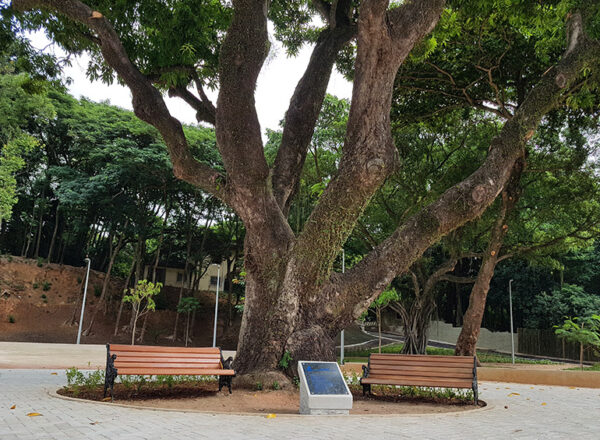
x=276 y=84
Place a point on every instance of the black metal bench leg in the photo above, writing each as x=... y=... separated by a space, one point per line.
x=366 y=389
x=229 y=378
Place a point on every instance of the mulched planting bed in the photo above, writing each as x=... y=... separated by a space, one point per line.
x=205 y=397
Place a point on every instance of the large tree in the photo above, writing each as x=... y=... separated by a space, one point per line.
x=294 y=302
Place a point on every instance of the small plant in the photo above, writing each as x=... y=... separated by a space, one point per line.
x=142 y=302
x=79 y=280
x=11 y=319
x=285 y=361
x=46 y=286
x=584 y=331
x=97 y=291
x=44 y=296
x=258 y=386
x=276 y=385
x=296 y=381
x=35 y=285
x=40 y=262
x=9 y=258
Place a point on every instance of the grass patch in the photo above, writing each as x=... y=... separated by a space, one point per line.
x=595 y=367
x=484 y=357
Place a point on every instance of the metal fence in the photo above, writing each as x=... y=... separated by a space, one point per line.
x=546 y=343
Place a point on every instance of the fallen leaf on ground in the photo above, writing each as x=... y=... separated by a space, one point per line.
x=106 y=399
x=54 y=374
x=34 y=414
x=271 y=416
x=543 y=403
x=571 y=388
x=13 y=407
x=513 y=394
x=94 y=423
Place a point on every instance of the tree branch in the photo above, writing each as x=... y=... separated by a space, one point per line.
x=369 y=155
x=469 y=198
x=203 y=114
x=148 y=103
x=304 y=109
x=243 y=52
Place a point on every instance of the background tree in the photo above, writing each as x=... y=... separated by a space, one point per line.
x=142 y=302
x=290 y=286
x=584 y=331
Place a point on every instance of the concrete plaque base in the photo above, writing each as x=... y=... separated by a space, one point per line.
x=323 y=390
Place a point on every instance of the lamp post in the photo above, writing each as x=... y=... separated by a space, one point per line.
x=87 y=277
x=342 y=335
x=512 y=335
x=216 y=305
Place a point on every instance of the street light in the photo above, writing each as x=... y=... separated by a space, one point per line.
x=216 y=304
x=512 y=335
x=87 y=277
x=342 y=335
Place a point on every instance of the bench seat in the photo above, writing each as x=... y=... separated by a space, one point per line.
x=422 y=371
x=152 y=360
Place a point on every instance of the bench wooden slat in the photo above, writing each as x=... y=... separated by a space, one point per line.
x=150 y=348
x=400 y=365
x=432 y=358
x=441 y=369
x=165 y=355
x=199 y=366
x=416 y=381
x=177 y=371
x=201 y=360
x=446 y=374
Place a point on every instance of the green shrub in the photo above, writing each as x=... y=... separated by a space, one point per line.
x=35 y=285
x=44 y=296
x=40 y=262
x=258 y=386
x=9 y=258
x=46 y=286
x=79 y=280
x=285 y=360
x=276 y=385
x=97 y=291
x=11 y=319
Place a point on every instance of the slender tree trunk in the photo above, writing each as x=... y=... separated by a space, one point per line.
x=106 y=283
x=187 y=329
x=40 y=224
x=135 y=314
x=54 y=233
x=125 y=287
x=467 y=339
x=378 y=313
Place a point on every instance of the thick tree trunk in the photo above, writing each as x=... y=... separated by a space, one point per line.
x=467 y=340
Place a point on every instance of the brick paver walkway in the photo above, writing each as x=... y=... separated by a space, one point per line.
x=533 y=412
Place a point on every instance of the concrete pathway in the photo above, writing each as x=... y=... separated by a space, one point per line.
x=514 y=412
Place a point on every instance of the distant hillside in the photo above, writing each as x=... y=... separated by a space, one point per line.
x=42 y=303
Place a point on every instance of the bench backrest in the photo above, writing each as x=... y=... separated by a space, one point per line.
x=137 y=359
x=419 y=370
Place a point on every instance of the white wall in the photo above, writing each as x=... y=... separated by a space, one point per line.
x=443 y=332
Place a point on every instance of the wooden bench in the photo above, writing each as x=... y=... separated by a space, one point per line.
x=148 y=360
x=422 y=371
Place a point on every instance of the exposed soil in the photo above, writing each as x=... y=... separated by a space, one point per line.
x=42 y=303
x=205 y=397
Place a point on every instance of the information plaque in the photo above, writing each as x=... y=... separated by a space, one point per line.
x=323 y=389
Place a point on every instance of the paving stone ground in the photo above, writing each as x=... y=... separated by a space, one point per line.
x=533 y=412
